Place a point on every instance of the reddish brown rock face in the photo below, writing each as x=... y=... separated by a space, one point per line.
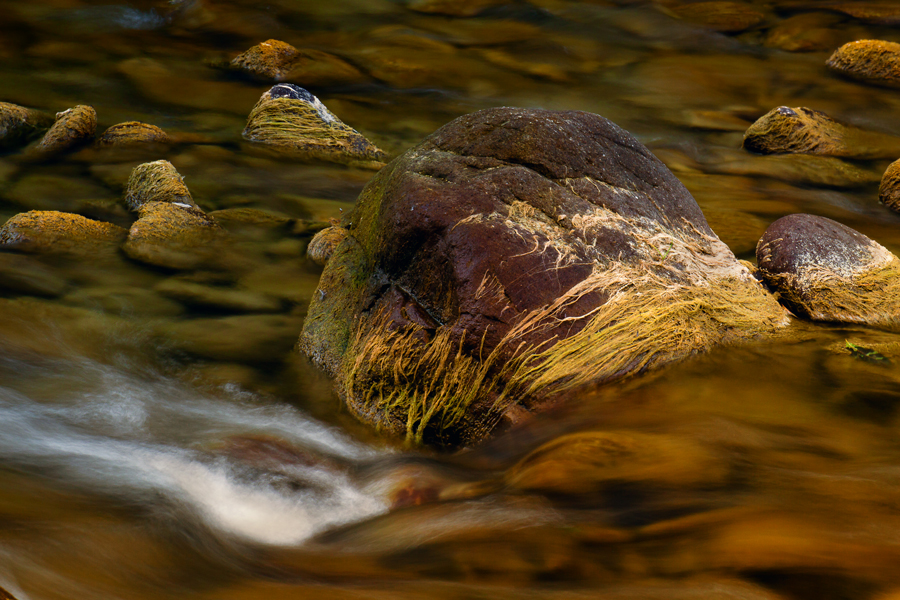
x=514 y=254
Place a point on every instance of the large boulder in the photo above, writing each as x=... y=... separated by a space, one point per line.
x=512 y=256
x=826 y=271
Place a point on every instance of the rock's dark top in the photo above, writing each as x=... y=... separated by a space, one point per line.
x=826 y=271
x=800 y=130
x=872 y=61
x=513 y=255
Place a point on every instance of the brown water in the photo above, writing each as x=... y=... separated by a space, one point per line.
x=157 y=444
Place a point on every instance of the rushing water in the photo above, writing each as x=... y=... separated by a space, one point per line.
x=155 y=442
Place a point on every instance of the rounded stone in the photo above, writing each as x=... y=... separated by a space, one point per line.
x=73 y=127
x=324 y=243
x=174 y=236
x=826 y=271
x=889 y=190
x=271 y=59
x=511 y=258
x=52 y=231
x=19 y=125
x=871 y=61
x=157 y=181
x=132 y=132
x=800 y=130
x=290 y=119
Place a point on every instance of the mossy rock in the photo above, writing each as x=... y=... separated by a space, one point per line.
x=47 y=231
x=825 y=271
x=290 y=119
x=324 y=243
x=174 y=236
x=871 y=61
x=511 y=258
x=271 y=59
x=785 y=130
x=73 y=128
x=133 y=133
x=889 y=190
x=19 y=125
x=157 y=181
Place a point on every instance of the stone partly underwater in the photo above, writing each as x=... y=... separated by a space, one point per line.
x=511 y=257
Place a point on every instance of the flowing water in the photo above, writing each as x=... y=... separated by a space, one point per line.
x=159 y=441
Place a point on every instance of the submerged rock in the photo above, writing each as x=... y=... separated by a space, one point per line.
x=802 y=130
x=826 y=271
x=512 y=256
x=324 y=243
x=25 y=275
x=872 y=61
x=806 y=32
x=52 y=231
x=279 y=61
x=73 y=127
x=18 y=125
x=132 y=132
x=290 y=119
x=889 y=190
x=454 y=8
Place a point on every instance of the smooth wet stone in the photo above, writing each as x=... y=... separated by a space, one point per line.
x=221 y=298
x=73 y=128
x=243 y=339
x=509 y=258
x=290 y=119
x=588 y=462
x=800 y=130
x=24 y=275
x=453 y=8
x=174 y=236
x=725 y=17
x=889 y=190
x=826 y=271
x=324 y=243
x=52 y=232
x=19 y=125
x=133 y=133
x=274 y=60
x=157 y=181
x=123 y=301
x=871 y=61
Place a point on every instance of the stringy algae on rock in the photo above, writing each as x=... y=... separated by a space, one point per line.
x=510 y=257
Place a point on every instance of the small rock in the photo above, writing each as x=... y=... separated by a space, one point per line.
x=725 y=17
x=19 y=125
x=51 y=231
x=889 y=191
x=801 y=130
x=826 y=271
x=324 y=243
x=871 y=61
x=73 y=128
x=173 y=235
x=199 y=295
x=132 y=132
x=157 y=181
x=24 y=275
x=279 y=61
x=289 y=118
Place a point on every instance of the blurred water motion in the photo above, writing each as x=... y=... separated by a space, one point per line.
x=159 y=438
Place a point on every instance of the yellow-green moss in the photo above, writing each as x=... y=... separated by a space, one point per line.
x=52 y=231
x=132 y=132
x=156 y=181
x=72 y=128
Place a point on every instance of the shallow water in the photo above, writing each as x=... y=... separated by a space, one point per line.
x=157 y=443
